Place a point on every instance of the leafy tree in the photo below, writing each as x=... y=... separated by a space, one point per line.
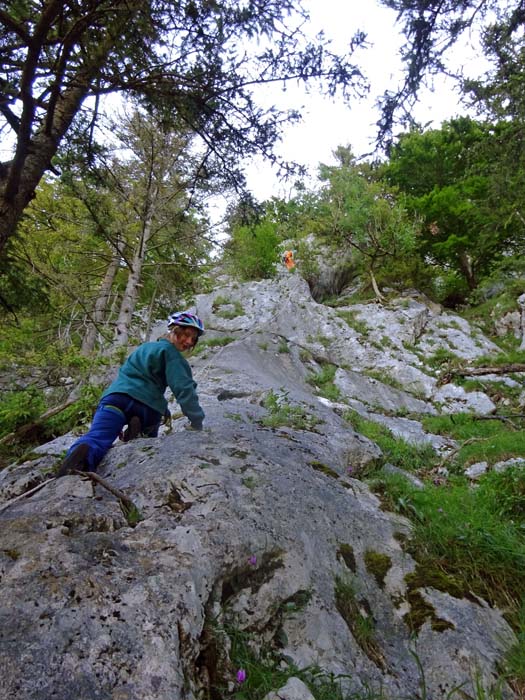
x=157 y=190
x=499 y=94
x=450 y=179
x=295 y=216
x=118 y=238
x=487 y=211
x=431 y=29
x=252 y=251
x=59 y=248
x=500 y=98
x=20 y=289
x=244 y=212
x=422 y=160
x=357 y=210
x=195 y=60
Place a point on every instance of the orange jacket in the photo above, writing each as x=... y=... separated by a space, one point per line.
x=288 y=259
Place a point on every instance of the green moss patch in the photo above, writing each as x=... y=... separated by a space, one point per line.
x=378 y=565
x=420 y=612
x=250 y=576
x=356 y=612
x=320 y=467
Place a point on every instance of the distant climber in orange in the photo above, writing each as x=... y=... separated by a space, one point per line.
x=288 y=259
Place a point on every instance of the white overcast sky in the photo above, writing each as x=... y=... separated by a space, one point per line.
x=327 y=125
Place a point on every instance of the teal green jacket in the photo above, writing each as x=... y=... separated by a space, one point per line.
x=149 y=370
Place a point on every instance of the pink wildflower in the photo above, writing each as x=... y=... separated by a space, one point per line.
x=241 y=675
x=253 y=560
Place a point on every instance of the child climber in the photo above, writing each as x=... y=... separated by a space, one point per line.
x=136 y=397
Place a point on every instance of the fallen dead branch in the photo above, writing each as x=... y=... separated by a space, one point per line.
x=450 y=456
x=130 y=510
x=480 y=371
x=26 y=494
x=28 y=427
x=126 y=500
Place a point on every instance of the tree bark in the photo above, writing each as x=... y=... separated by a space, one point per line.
x=129 y=298
x=25 y=429
x=40 y=149
x=465 y=263
x=151 y=306
x=521 y=304
x=500 y=369
x=101 y=306
x=20 y=176
x=378 y=294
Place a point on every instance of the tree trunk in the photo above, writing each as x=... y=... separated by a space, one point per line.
x=129 y=298
x=521 y=304
x=378 y=294
x=465 y=263
x=101 y=305
x=18 y=183
x=20 y=176
x=153 y=299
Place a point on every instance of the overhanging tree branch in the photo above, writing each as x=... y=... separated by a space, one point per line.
x=188 y=60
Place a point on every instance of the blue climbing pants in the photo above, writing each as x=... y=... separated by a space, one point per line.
x=114 y=412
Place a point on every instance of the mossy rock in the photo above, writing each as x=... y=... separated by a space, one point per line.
x=320 y=467
x=346 y=553
x=378 y=565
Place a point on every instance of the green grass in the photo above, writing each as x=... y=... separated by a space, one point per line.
x=212 y=343
x=476 y=536
x=399 y=452
x=226 y=313
x=283 y=413
x=324 y=382
x=219 y=301
x=231 y=313
x=465 y=540
x=362 y=626
x=444 y=357
x=495 y=390
x=384 y=377
x=513 y=356
x=352 y=320
x=267 y=671
x=514 y=660
x=491 y=440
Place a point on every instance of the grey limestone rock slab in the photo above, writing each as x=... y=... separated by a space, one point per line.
x=294 y=689
x=245 y=526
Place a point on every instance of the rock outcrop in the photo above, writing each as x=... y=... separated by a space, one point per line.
x=248 y=527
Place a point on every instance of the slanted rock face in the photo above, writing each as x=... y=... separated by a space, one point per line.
x=243 y=527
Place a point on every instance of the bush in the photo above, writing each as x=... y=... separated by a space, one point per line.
x=77 y=415
x=450 y=289
x=19 y=408
x=406 y=272
x=253 y=251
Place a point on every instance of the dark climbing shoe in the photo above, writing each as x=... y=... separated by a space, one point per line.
x=76 y=460
x=133 y=430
